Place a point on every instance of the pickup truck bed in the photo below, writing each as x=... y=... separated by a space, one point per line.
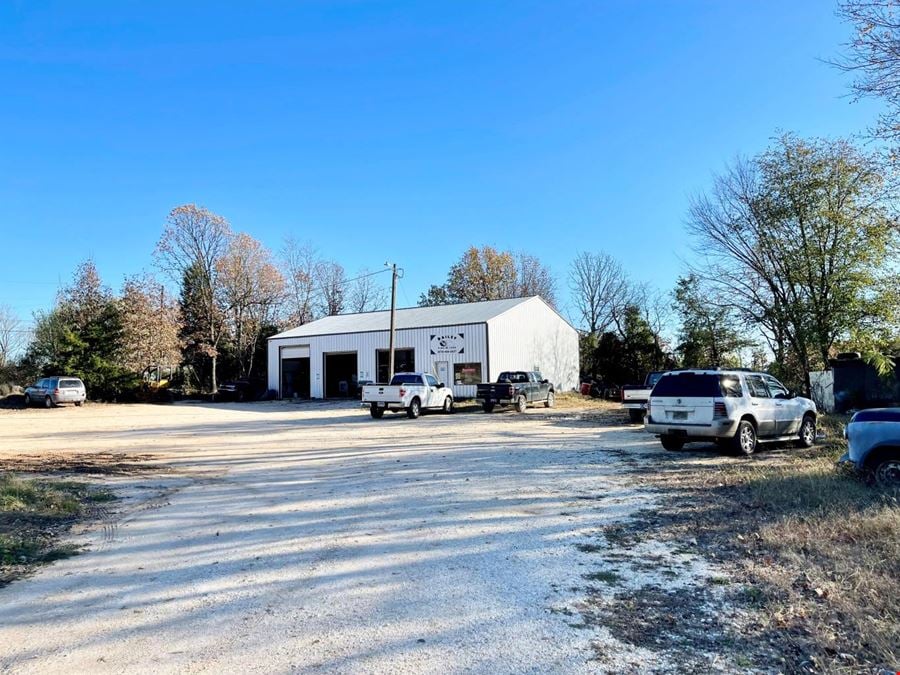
x=635 y=396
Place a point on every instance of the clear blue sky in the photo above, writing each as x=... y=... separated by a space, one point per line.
x=401 y=131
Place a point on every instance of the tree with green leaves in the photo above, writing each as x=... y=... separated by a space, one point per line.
x=798 y=242
x=83 y=336
x=197 y=352
x=624 y=355
x=710 y=334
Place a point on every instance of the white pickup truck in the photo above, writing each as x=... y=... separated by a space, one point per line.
x=635 y=396
x=412 y=392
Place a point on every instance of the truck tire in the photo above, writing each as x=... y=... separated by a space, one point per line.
x=671 y=443
x=375 y=411
x=448 y=406
x=551 y=400
x=487 y=407
x=27 y=401
x=886 y=471
x=414 y=409
x=635 y=416
x=521 y=403
x=745 y=440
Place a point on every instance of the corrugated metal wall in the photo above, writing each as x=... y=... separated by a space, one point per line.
x=532 y=336
x=366 y=344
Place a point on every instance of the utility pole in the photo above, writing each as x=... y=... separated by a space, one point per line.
x=393 y=321
x=160 y=318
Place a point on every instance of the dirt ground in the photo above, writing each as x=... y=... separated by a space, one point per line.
x=285 y=537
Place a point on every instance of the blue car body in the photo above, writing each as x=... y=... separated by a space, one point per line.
x=873 y=443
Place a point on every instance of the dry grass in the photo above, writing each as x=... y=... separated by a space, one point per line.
x=835 y=545
x=815 y=551
x=571 y=400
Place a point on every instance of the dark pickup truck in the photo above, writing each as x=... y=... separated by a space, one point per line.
x=516 y=387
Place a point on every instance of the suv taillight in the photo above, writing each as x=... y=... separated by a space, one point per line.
x=719 y=411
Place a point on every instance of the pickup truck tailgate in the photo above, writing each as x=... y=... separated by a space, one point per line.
x=494 y=392
x=635 y=395
x=382 y=393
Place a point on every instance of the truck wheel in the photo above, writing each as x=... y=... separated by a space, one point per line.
x=448 y=405
x=521 y=404
x=887 y=472
x=78 y=404
x=414 y=409
x=635 y=416
x=27 y=400
x=48 y=402
x=551 y=400
x=487 y=407
x=671 y=443
x=744 y=441
x=376 y=412
x=808 y=432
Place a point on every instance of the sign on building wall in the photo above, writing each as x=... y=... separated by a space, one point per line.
x=449 y=343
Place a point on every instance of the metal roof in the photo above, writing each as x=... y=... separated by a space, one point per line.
x=410 y=317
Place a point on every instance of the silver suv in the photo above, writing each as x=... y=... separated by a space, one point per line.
x=51 y=391
x=736 y=408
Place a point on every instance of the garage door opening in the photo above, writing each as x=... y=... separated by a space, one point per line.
x=340 y=375
x=295 y=378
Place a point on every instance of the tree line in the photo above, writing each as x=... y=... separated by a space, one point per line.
x=796 y=260
x=231 y=293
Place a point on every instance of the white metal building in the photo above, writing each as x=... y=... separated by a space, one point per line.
x=461 y=344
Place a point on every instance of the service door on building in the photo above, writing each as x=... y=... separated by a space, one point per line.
x=295 y=372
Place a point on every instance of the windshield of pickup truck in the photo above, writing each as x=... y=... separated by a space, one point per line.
x=406 y=378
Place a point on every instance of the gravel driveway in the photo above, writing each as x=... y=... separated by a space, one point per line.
x=311 y=538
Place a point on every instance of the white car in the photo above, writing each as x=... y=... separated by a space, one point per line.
x=412 y=392
x=53 y=391
x=733 y=407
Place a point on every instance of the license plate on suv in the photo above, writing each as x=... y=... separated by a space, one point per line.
x=679 y=415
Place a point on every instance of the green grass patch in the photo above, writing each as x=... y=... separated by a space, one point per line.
x=41 y=497
x=34 y=513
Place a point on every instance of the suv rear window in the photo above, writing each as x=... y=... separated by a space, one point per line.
x=69 y=384
x=688 y=385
